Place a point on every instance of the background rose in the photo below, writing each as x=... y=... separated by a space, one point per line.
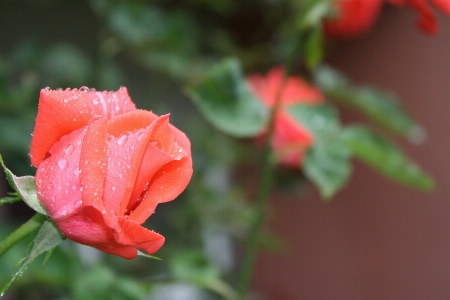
x=353 y=18
x=427 y=18
x=290 y=139
x=103 y=167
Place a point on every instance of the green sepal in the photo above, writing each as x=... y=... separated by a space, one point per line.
x=26 y=187
x=140 y=253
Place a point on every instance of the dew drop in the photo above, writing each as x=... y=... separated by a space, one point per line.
x=63 y=164
x=74 y=187
x=84 y=89
x=123 y=138
x=110 y=138
x=69 y=149
x=113 y=188
x=59 y=89
x=140 y=135
x=66 y=191
x=93 y=90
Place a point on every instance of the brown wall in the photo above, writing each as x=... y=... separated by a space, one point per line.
x=376 y=239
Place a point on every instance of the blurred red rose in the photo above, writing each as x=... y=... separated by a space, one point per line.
x=104 y=166
x=290 y=139
x=353 y=18
x=427 y=18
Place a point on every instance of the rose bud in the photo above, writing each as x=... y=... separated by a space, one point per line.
x=103 y=166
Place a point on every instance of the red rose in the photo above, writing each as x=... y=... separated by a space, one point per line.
x=353 y=18
x=290 y=139
x=427 y=19
x=104 y=166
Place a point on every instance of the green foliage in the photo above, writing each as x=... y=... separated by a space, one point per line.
x=386 y=158
x=327 y=161
x=46 y=240
x=102 y=283
x=226 y=101
x=193 y=267
x=381 y=107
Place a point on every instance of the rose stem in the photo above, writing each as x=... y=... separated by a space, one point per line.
x=28 y=227
x=265 y=186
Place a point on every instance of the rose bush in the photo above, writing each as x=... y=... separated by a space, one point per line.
x=290 y=139
x=103 y=166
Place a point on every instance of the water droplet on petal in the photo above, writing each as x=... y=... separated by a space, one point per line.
x=140 y=135
x=84 y=89
x=113 y=188
x=123 y=138
x=63 y=164
x=69 y=149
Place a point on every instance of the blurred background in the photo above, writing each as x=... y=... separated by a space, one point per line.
x=374 y=240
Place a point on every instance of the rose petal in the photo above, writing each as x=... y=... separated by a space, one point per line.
x=57 y=178
x=79 y=107
x=93 y=163
x=142 y=238
x=443 y=5
x=87 y=226
x=126 y=144
x=290 y=139
x=295 y=89
x=165 y=186
x=162 y=176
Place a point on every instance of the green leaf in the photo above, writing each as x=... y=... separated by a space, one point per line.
x=312 y=13
x=227 y=102
x=328 y=166
x=26 y=187
x=381 y=107
x=327 y=162
x=386 y=158
x=47 y=239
